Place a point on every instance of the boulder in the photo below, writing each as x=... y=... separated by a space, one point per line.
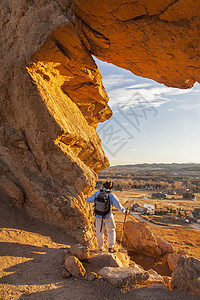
x=141 y=240
x=186 y=275
x=105 y=260
x=80 y=251
x=74 y=266
x=172 y=259
x=124 y=277
x=154 y=278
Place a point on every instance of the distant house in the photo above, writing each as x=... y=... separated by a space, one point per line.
x=149 y=208
x=137 y=207
x=159 y=196
x=195 y=214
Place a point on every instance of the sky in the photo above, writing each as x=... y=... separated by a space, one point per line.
x=151 y=123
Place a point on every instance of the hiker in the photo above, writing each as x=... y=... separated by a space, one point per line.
x=104 y=200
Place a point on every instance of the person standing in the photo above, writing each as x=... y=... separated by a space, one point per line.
x=105 y=219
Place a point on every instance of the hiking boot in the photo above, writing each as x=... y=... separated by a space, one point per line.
x=111 y=250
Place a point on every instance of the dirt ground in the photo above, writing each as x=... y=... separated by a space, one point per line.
x=31 y=259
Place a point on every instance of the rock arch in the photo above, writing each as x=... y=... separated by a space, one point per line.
x=52 y=96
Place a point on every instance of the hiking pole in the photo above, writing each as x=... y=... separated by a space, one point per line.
x=120 y=242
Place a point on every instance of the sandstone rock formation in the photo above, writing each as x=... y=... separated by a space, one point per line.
x=140 y=239
x=186 y=275
x=52 y=96
x=124 y=277
x=74 y=266
x=158 y=40
x=49 y=149
x=105 y=260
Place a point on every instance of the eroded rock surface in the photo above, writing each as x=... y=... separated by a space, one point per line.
x=74 y=266
x=140 y=239
x=124 y=277
x=186 y=275
x=154 y=39
x=52 y=96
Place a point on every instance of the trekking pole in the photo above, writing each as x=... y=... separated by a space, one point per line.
x=120 y=242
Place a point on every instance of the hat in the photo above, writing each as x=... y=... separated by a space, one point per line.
x=108 y=185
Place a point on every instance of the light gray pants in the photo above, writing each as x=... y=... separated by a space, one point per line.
x=109 y=224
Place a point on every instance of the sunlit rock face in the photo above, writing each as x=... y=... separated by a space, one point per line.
x=52 y=96
x=154 y=39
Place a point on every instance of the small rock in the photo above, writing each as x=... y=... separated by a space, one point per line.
x=74 y=266
x=65 y=273
x=91 y=276
x=79 y=251
x=105 y=260
x=124 y=277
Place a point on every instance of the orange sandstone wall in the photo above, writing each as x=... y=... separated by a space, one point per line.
x=52 y=96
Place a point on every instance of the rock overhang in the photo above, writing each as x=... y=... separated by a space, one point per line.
x=56 y=117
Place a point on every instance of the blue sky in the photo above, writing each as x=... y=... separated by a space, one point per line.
x=151 y=122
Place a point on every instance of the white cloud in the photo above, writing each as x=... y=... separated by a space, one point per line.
x=115 y=80
x=136 y=98
x=127 y=90
x=121 y=141
x=139 y=86
x=144 y=94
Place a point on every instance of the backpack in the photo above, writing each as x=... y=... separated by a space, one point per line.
x=102 y=205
